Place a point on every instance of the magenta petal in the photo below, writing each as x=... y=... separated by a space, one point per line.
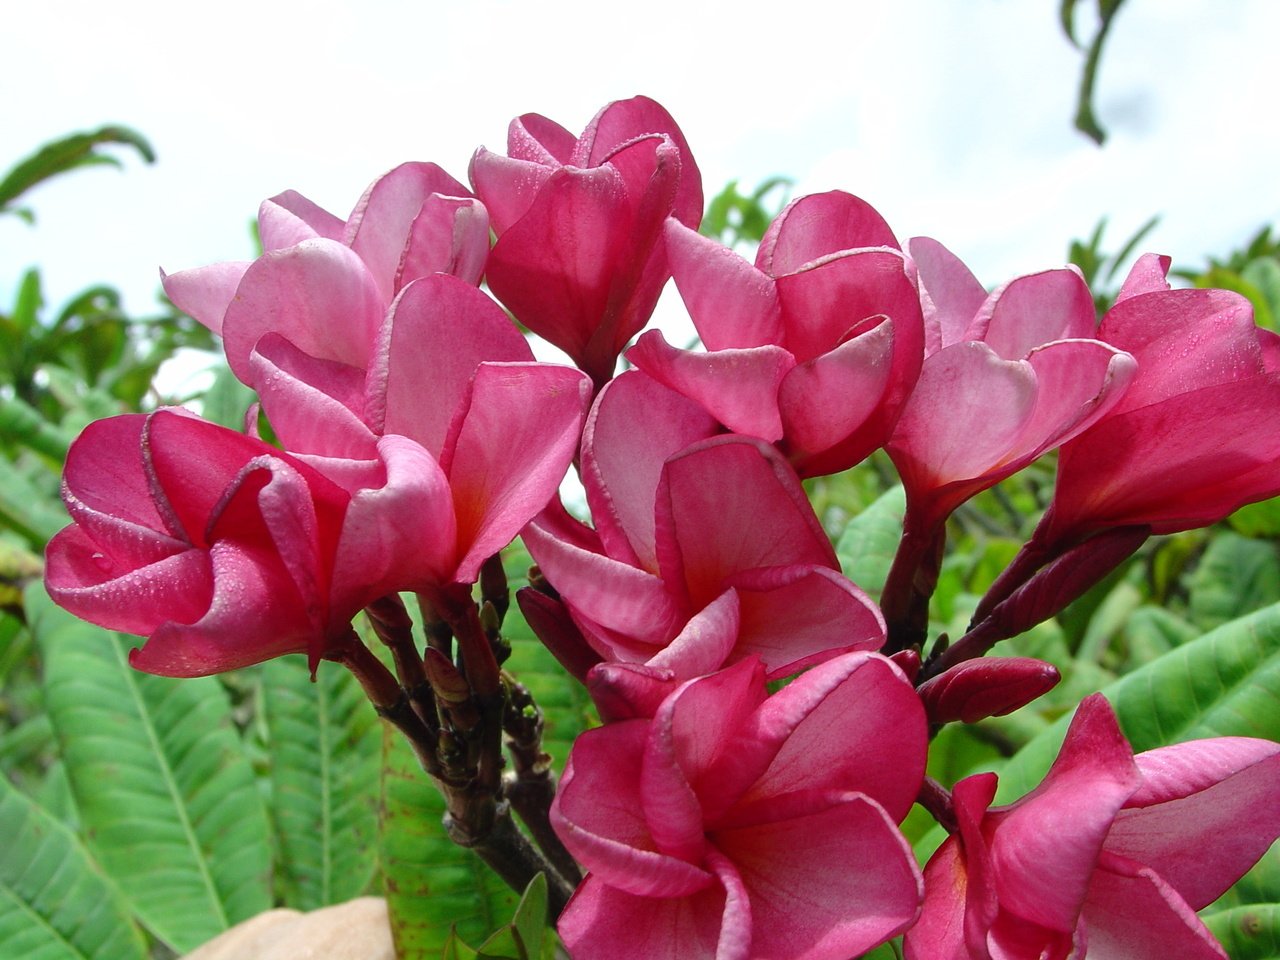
x=737 y=387
x=512 y=446
x=104 y=476
x=671 y=808
x=1207 y=810
x=534 y=137
x=450 y=235
x=1148 y=275
x=1077 y=382
x=289 y=218
x=950 y=294
x=635 y=424
x=319 y=295
x=400 y=535
x=1132 y=913
x=804 y=615
x=126 y=596
x=814 y=226
x=703 y=494
x=939 y=933
x=205 y=292
x=437 y=333
x=1050 y=839
x=703 y=717
x=732 y=304
x=596 y=815
x=704 y=644
x=827 y=885
x=1035 y=309
x=605 y=923
x=628 y=691
x=507 y=186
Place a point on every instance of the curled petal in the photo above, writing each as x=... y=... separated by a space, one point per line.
x=817 y=225
x=949 y=293
x=450 y=235
x=507 y=186
x=607 y=923
x=289 y=218
x=205 y=292
x=939 y=933
x=1035 y=309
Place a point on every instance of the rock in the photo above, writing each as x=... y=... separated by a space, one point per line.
x=355 y=930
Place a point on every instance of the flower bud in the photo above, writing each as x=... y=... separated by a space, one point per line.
x=987 y=687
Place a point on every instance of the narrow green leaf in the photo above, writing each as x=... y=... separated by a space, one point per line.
x=22 y=422
x=65 y=154
x=521 y=939
x=54 y=902
x=163 y=787
x=1248 y=933
x=867 y=546
x=431 y=884
x=323 y=739
x=27 y=509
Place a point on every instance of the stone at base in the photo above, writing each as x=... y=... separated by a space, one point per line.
x=355 y=930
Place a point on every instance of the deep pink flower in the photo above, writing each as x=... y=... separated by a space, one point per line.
x=1112 y=854
x=579 y=257
x=815 y=348
x=703 y=549
x=740 y=826
x=411 y=222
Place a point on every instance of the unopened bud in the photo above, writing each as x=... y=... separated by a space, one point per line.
x=986 y=687
x=550 y=621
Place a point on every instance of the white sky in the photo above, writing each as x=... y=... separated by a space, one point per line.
x=953 y=117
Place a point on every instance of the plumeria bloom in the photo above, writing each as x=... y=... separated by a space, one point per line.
x=705 y=548
x=219 y=549
x=740 y=826
x=579 y=257
x=1184 y=447
x=815 y=348
x=1108 y=858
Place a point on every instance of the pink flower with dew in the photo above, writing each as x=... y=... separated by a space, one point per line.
x=740 y=826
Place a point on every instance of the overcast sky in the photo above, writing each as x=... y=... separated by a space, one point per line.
x=953 y=117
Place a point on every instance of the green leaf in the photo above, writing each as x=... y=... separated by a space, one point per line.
x=867 y=546
x=323 y=740
x=25 y=508
x=1226 y=683
x=1235 y=576
x=54 y=902
x=432 y=885
x=1248 y=933
x=1257 y=519
x=227 y=400
x=59 y=156
x=521 y=939
x=160 y=778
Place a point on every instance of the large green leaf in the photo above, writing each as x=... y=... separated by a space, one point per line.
x=1226 y=683
x=1236 y=576
x=323 y=739
x=431 y=884
x=54 y=902
x=160 y=778
x=1248 y=933
x=867 y=546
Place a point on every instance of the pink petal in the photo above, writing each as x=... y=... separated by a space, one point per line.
x=1045 y=846
x=950 y=294
x=509 y=451
x=450 y=235
x=1146 y=276
x=635 y=424
x=318 y=295
x=1035 y=309
x=205 y=292
x=534 y=137
x=104 y=479
x=671 y=808
x=826 y=885
x=737 y=387
x=507 y=186
x=596 y=815
x=825 y=614
x=939 y=933
x=704 y=493
x=702 y=719
x=732 y=304
x=289 y=218
x=437 y=333
x=1132 y=913
x=605 y=923
x=814 y=226
x=830 y=300
x=1205 y=813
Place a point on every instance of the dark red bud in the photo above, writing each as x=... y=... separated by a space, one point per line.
x=987 y=687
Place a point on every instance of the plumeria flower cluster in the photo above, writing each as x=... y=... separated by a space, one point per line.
x=765 y=723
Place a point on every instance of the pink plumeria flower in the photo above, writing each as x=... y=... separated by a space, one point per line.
x=740 y=826
x=814 y=348
x=705 y=548
x=1109 y=857
x=579 y=258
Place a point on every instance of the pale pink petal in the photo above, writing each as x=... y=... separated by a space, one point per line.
x=450 y=235
x=732 y=304
x=1048 y=842
x=1035 y=309
x=596 y=815
x=1146 y=276
x=826 y=885
x=509 y=451
x=1205 y=813
x=507 y=186
x=705 y=492
x=318 y=295
x=950 y=294
x=289 y=218
x=814 y=226
x=1131 y=913
x=205 y=292
x=793 y=617
x=605 y=923
x=737 y=387
x=437 y=333
x=939 y=933
x=634 y=425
